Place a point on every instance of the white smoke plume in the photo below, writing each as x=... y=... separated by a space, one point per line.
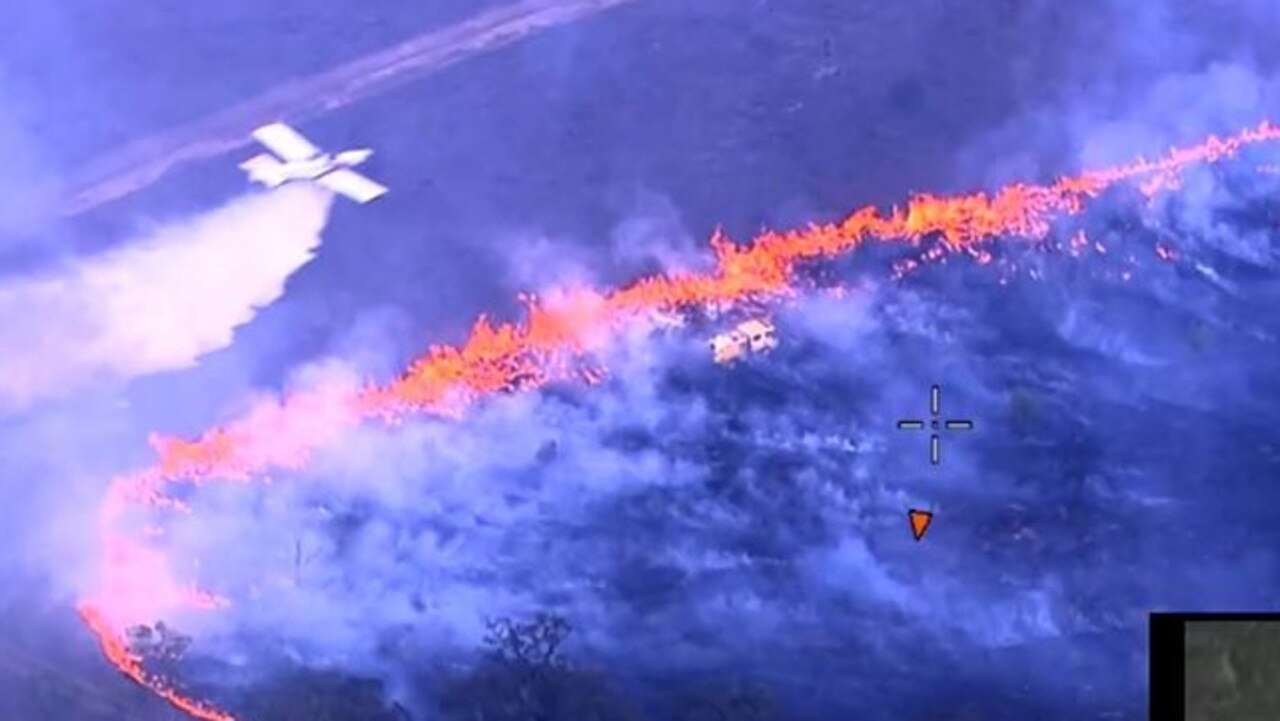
x=159 y=302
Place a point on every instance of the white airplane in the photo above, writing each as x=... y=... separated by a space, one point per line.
x=299 y=159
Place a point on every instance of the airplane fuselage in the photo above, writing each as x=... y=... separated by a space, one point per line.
x=313 y=168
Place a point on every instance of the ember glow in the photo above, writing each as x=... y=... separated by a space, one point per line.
x=554 y=341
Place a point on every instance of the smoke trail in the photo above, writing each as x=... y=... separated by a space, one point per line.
x=554 y=342
x=142 y=163
x=159 y=302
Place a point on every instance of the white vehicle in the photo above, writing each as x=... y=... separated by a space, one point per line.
x=299 y=159
x=752 y=336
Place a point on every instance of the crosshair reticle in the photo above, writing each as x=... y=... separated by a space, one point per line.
x=935 y=408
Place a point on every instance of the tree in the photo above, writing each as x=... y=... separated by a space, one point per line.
x=535 y=644
x=523 y=676
x=158 y=643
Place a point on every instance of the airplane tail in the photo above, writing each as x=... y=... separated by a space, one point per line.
x=265 y=169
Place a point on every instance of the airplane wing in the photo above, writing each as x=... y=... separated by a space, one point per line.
x=352 y=184
x=285 y=142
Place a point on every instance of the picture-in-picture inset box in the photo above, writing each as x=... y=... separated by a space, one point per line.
x=1212 y=666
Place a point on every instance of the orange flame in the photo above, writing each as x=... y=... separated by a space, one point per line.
x=552 y=342
x=129 y=664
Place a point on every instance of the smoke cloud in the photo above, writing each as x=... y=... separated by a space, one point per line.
x=159 y=302
x=1139 y=78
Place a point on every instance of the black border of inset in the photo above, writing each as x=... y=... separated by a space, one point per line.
x=1167 y=666
x=1167 y=658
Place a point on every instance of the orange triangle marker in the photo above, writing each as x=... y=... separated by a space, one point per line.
x=919 y=521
